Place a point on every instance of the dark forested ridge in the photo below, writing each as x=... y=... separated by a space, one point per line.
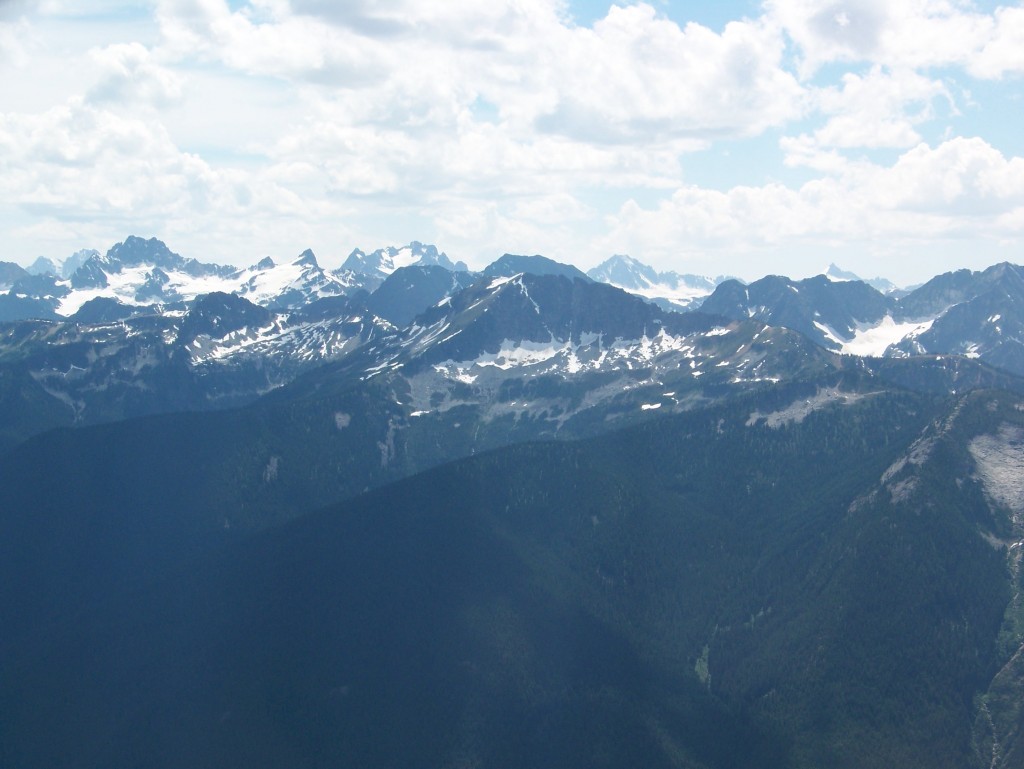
x=799 y=578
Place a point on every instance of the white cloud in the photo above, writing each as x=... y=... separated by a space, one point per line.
x=1003 y=52
x=434 y=108
x=15 y=41
x=290 y=47
x=903 y=33
x=959 y=179
x=635 y=74
x=89 y=173
x=130 y=75
x=454 y=22
x=483 y=230
x=76 y=158
x=639 y=75
x=963 y=188
x=552 y=210
x=878 y=109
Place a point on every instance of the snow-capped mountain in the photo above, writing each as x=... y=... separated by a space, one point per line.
x=669 y=290
x=151 y=260
x=584 y=344
x=826 y=311
x=535 y=353
x=291 y=284
x=141 y=329
x=61 y=268
x=368 y=271
x=221 y=331
x=882 y=284
x=974 y=314
x=140 y=273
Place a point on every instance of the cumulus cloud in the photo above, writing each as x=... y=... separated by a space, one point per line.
x=961 y=188
x=292 y=46
x=903 y=33
x=130 y=75
x=75 y=158
x=635 y=74
x=485 y=229
x=879 y=109
x=82 y=168
x=1003 y=51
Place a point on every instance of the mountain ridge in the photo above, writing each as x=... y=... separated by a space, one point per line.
x=112 y=351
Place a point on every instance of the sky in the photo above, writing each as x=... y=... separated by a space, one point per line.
x=733 y=137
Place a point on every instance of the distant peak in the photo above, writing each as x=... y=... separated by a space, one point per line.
x=308 y=258
x=44 y=266
x=511 y=264
x=834 y=272
x=385 y=261
x=136 y=250
x=624 y=270
x=626 y=258
x=839 y=275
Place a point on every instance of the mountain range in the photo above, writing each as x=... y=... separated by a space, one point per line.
x=403 y=514
x=119 y=338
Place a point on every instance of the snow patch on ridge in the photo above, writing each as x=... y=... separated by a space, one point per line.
x=873 y=341
x=498 y=282
x=590 y=353
x=830 y=335
x=681 y=294
x=525 y=353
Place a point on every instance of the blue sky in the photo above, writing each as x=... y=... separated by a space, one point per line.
x=711 y=14
x=738 y=137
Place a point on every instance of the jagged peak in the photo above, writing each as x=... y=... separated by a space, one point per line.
x=135 y=249
x=386 y=260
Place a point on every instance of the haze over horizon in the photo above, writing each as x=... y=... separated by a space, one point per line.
x=742 y=138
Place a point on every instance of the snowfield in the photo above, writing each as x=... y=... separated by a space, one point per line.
x=874 y=341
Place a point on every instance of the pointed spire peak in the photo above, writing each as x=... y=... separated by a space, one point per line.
x=307 y=258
